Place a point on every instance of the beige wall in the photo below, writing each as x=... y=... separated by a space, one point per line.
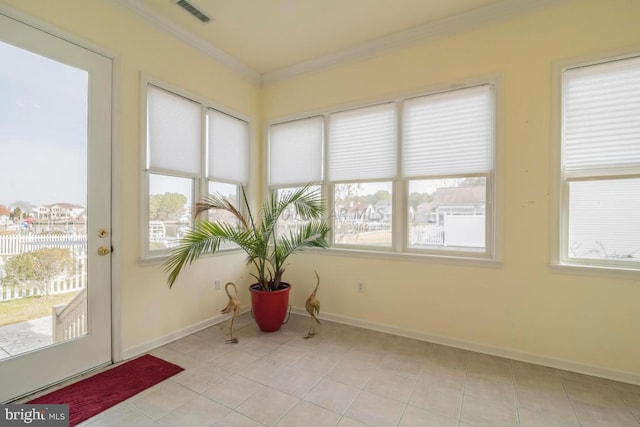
x=521 y=308
x=150 y=311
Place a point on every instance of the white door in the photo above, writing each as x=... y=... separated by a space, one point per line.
x=55 y=209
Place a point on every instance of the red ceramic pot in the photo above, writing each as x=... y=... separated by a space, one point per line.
x=269 y=308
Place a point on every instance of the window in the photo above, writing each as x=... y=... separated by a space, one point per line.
x=600 y=164
x=448 y=162
x=290 y=221
x=295 y=152
x=295 y=159
x=228 y=160
x=362 y=165
x=185 y=160
x=414 y=175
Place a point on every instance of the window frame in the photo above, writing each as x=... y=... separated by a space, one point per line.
x=490 y=234
x=393 y=246
x=560 y=259
x=492 y=253
x=395 y=106
x=200 y=180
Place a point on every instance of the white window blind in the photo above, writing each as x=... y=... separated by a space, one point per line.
x=601 y=118
x=295 y=152
x=601 y=163
x=173 y=133
x=362 y=144
x=228 y=140
x=448 y=133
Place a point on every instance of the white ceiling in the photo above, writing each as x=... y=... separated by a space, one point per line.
x=268 y=39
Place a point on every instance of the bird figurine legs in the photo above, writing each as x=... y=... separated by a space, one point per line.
x=313 y=308
x=233 y=306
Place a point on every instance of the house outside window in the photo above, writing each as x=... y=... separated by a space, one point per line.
x=600 y=165
x=192 y=149
x=414 y=175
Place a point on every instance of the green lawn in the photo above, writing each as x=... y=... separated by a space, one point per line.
x=23 y=309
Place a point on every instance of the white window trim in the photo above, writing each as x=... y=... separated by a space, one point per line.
x=201 y=182
x=491 y=257
x=559 y=214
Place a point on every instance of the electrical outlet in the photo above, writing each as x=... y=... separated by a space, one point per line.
x=216 y=284
x=360 y=287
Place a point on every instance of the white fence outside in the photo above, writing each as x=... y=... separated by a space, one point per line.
x=15 y=245
x=464 y=231
x=19 y=244
x=457 y=230
x=427 y=235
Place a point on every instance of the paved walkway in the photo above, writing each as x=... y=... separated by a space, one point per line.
x=25 y=336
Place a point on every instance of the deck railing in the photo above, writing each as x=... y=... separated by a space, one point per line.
x=70 y=321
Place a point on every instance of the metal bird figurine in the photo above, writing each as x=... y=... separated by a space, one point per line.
x=313 y=308
x=232 y=306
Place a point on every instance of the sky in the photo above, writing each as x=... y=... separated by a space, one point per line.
x=43 y=132
x=43 y=129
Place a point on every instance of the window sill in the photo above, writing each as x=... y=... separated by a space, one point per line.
x=161 y=258
x=412 y=257
x=595 y=270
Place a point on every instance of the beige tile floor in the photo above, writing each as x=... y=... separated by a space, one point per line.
x=347 y=376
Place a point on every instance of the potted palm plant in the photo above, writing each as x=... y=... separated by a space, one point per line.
x=267 y=246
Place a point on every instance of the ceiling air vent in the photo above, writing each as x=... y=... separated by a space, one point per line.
x=193 y=10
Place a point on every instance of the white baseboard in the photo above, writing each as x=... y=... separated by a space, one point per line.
x=567 y=365
x=166 y=339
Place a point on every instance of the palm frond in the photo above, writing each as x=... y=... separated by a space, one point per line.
x=265 y=249
x=309 y=235
x=204 y=237
x=218 y=201
x=307 y=202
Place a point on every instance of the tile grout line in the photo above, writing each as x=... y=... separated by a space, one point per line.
x=564 y=388
x=385 y=361
x=515 y=393
x=626 y=405
x=407 y=403
x=464 y=386
x=299 y=398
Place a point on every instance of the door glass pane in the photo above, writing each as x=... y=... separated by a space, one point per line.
x=447 y=214
x=43 y=201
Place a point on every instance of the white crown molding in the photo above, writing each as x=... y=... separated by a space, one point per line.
x=54 y=30
x=427 y=32
x=148 y=14
x=472 y=19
